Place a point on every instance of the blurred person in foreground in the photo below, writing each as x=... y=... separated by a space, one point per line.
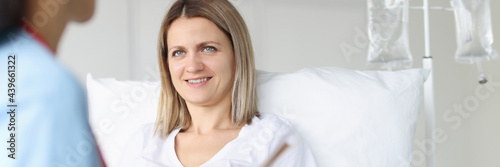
x=44 y=117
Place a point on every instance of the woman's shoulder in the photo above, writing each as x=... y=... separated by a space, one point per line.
x=272 y=128
x=271 y=121
x=267 y=134
x=144 y=146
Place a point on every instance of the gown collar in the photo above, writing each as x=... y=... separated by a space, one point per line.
x=162 y=151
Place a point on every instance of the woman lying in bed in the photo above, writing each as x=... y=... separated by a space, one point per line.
x=207 y=113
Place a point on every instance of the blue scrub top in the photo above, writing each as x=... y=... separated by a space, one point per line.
x=50 y=120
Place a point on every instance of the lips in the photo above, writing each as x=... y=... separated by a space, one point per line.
x=197 y=82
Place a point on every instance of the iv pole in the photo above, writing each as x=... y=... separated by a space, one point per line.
x=429 y=107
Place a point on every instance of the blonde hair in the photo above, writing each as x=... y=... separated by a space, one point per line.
x=172 y=109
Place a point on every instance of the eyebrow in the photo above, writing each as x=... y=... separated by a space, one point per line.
x=197 y=46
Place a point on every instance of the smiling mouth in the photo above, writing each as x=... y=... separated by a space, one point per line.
x=197 y=81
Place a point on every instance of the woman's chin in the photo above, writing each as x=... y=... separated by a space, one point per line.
x=198 y=101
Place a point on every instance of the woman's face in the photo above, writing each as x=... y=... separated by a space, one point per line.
x=200 y=60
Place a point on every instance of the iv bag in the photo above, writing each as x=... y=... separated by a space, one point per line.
x=388 y=34
x=474 y=36
x=473 y=30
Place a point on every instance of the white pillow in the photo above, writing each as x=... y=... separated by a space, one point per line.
x=117 y=109
x=347 y=117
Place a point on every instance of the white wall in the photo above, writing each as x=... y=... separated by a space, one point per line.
x=120 y=42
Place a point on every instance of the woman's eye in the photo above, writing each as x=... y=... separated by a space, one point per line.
x=177 y=53
x=209 y=49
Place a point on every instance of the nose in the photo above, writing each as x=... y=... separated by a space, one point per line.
x=194 y=64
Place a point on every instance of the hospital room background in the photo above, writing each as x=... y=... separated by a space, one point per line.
x=288 y=35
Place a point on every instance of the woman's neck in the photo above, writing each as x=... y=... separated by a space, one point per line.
x=205 y=119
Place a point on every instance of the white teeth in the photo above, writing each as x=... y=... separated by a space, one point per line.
x=195 y=81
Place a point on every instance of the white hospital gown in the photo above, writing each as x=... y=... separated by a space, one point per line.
x=252 y=147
